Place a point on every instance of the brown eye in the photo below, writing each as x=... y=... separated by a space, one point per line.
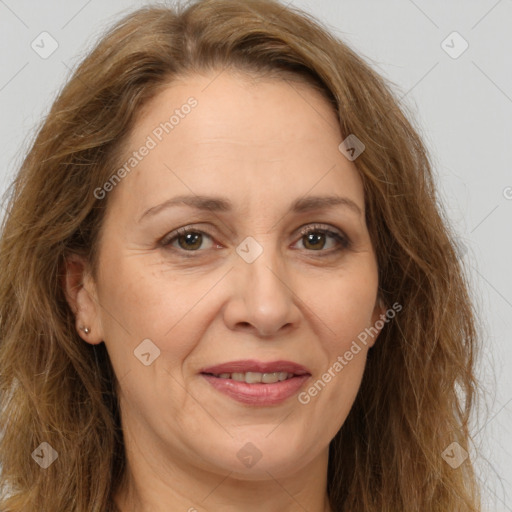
x=187 y=239
x=190 y=241
x=316 y=238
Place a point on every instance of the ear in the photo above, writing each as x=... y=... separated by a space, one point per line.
x=80 y=291
x=379 y=319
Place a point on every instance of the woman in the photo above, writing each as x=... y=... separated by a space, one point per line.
x=227 y=283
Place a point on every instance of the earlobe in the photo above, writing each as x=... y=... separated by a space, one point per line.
x=381 y=306
x=378 y=319
x=80 y=292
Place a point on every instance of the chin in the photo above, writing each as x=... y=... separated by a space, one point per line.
x=260 y=457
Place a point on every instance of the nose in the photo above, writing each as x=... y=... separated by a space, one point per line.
x=263 y=299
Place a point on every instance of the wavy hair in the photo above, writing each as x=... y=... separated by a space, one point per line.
x=419 y=388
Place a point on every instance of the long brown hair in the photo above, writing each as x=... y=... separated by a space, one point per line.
x=418 y=390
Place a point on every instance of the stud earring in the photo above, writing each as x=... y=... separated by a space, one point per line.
x=85 y=329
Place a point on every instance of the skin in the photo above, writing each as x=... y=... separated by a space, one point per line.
x=260 y=144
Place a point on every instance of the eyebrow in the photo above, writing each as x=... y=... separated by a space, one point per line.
x=218 y=204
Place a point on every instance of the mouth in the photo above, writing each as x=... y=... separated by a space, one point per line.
x=254 y=377
x=245 y=366
x=257 y=383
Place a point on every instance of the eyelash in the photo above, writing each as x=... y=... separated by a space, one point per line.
x=343 y=241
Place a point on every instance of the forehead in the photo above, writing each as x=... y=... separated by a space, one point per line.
x=241 y=106
x=224 y=131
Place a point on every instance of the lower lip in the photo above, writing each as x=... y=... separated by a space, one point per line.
x=259 y=393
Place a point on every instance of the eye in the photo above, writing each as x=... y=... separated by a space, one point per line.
x=188 y=239
x=315 y=238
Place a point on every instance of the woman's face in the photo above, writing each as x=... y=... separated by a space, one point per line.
x=244 y=293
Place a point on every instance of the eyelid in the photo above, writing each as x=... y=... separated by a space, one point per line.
x=315 y=226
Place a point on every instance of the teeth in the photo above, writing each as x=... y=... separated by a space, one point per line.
x=270 y=378
x=253 y=377
x=256 y=377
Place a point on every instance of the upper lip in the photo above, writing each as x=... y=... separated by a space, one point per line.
x=250 y=365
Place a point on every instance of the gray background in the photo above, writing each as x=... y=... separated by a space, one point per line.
x=462 y=107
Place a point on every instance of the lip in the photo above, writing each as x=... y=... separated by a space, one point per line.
x=258 y=394
x=251 y=365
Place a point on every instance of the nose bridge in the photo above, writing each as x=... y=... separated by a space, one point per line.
x=266 y=264
x=265 y=287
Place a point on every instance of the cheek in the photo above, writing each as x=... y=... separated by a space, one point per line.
x=346 y=309
x=346 y=306
x=142 y=300
x=146 y=298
